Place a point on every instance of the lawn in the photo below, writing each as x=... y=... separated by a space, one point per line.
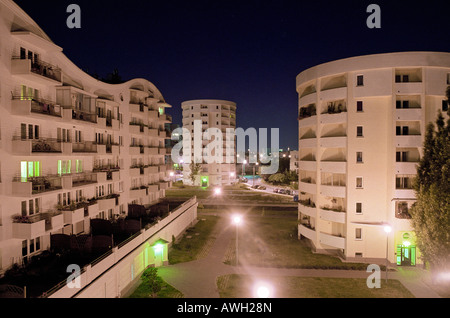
x=273 y=242
x=167 y=291
x=242 y=286
x=233 y=193
x=195 y=241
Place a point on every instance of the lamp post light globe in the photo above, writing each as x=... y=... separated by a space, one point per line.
x=387 y=228
x=262 y=290
x=217 y=191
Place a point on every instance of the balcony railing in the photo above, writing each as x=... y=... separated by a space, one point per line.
x=42 y=144
x=41 y=106
x=83 y=178
x=84 y=115
x=41 y=184
x=86 y=146
x=44 y=69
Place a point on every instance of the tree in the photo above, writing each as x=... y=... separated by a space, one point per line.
x=152 y=280
x=195 y=169
x=430 y=214
x=277 y=178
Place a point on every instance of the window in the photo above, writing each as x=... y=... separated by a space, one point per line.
x=401 y=156
x=358 y=207
x=359 y=106
x=359 y=131
x=401 y=78
x=358 y=233
x=360 y=80
x=444 y=105
x=359 y=182
x=33 y=131
x=359 y=158
x=358 y=254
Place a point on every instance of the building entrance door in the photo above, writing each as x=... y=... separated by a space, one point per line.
x=406 y=255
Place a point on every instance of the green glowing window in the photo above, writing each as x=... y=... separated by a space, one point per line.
x=64 y=166
x=79 y=165
x=29 y=169
x=161 y=110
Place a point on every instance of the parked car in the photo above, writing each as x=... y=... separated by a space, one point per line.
x=276 y=190
x=282 y=191
x=287 y=192
x=244 y=180
x=255 y=186
x=262 y=187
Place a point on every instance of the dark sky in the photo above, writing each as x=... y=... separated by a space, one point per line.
x=246 y=51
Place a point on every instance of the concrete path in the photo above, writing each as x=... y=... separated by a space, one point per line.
x=197 y=279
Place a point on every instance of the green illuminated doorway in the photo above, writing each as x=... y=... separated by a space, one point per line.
x=406 y=255
x=205 y=181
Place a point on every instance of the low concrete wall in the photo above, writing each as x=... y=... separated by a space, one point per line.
x=115 y=272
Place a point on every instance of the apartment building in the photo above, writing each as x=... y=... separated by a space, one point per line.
x=72 y=148
x=218 y=114
x=362 y=123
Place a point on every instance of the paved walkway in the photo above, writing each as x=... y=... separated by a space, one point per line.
x=197 y=279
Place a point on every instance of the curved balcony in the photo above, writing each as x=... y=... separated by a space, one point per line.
x=308 y=121
x=39 y=71
x=333 y=142
x=307 y=99
x=331 y=215
x=408 y=88
x=26 y=106
x=333 y=166
x=406 y=167
x=334 y=118
x=408 y=114
x=333 y=191
x=304 y=207
x=307 y=143
x=307 y=187
x=332 y=240
x=334 y=93
x=406 y=141
x=307 y=165
x=307 y=232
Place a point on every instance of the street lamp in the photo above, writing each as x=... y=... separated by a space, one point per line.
x=171 y=174
x=263 y=290
x=217 y=191
x=237 y=220
x=254 y=172
x=387 y=229
x=231 y=176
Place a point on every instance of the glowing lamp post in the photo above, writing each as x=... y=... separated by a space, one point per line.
x=171 y=174
x=263 y=290
x=217 y=191
x=237 y=220
x=243 y=167
x=387 y=229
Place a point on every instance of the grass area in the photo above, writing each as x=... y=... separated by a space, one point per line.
x=231 y=192
x=194 y=242
x=167 y=291
x=241 y=286
x=273 y=242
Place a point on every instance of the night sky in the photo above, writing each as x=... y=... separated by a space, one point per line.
x=246 y=51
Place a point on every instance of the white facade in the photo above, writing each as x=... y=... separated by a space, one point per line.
x=66 y=137
x=362 y=123
x=219 y=114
